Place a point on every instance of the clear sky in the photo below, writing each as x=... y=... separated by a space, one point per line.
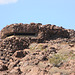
x=58 y=12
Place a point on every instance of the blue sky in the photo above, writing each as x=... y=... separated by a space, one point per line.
x=58 y=12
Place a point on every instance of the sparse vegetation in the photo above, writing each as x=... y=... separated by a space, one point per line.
x=73 y=56
x=57 y=59
x=35 y=46
x=32 y=46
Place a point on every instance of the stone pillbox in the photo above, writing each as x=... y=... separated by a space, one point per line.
x=35 y=30
x=19 y=29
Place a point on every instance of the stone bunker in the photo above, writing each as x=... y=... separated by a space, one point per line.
x=36 y=30
x=19 y=29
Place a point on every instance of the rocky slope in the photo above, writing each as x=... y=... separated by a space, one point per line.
x=50 y=52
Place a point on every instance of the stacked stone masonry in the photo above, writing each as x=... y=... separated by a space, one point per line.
x=35 y=29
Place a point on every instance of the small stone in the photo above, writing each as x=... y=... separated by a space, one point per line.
x=71 y=45
x=15 y=70
x=13 y=64
x=57 y=74
x=3 y=67
x=72 y=74
x=19 y=54
x=52 y=47
x=45 y=46
x=34 y=71
x=2 y=58
x=7 y=59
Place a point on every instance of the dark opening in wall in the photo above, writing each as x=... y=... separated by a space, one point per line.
x=22 y=34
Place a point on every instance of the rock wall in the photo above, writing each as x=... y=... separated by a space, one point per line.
x=13 y=44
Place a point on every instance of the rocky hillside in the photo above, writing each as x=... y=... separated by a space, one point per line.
x=36 y=49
